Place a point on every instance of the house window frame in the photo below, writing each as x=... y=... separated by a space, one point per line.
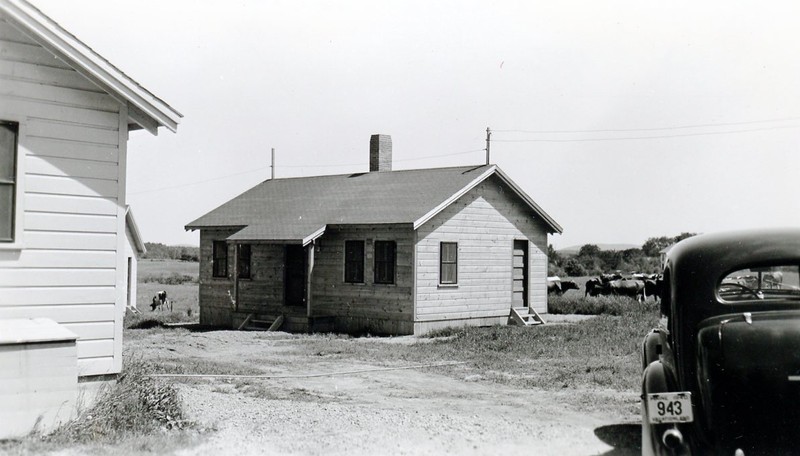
x=18 y=228
x=442 y=263
x=390 y=262
x=215 y=260
x=349 y=262
x=244 y=265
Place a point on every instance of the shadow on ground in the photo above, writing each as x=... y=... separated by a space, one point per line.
x=625 y=438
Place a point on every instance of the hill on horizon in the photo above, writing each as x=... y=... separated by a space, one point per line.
x=572 y=250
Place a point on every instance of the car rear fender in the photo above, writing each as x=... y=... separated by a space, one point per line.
x=659 y=378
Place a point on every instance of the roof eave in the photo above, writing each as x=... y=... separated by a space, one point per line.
x=493 y=170
x=130 y=222
x=554 y=226
x=145 y=109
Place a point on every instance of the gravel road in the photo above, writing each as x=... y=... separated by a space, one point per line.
x=394 y=412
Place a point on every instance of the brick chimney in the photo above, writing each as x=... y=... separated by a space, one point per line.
x=380 y=153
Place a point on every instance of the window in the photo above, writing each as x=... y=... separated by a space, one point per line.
x=770 y=283
x=354 y=261
x=385 y=255
x=220 y=259
x=448 y=263
x=8 y=180
x=243 y=264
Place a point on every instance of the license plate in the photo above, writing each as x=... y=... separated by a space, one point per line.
x=670 y=408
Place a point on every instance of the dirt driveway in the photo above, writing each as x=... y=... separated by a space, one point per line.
x=419 y=411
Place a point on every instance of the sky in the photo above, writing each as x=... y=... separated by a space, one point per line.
x=623 y=120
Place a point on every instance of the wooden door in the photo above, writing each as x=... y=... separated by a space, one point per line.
x=294 y=284
x=519 y=274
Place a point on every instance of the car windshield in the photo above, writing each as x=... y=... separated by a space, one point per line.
x=772 y=282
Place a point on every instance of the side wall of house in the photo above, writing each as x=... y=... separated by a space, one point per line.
x=367 y=307
x=484 y=222
x=216 y=293
x=67 y=263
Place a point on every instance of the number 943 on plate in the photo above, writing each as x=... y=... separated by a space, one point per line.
x=670 y=407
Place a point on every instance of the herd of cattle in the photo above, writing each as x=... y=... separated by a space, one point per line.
x=639 y=286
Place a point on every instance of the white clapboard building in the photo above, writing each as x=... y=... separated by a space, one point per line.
x=68 y=242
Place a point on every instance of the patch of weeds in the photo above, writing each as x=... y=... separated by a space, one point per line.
x=135 y=405
x=600 y=305
x=262 y=390
x=173 y=278
x=149 y=320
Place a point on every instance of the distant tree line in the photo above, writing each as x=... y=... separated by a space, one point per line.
x=158 y=251
x=591 y=260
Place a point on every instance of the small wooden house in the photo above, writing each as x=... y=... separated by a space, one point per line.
x=385 y=252
x=65 y=115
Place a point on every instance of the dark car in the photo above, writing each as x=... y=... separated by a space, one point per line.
x=723 y=377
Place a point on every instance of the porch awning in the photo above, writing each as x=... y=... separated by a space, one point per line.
x=295 y=233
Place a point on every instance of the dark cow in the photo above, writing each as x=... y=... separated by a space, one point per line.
x=567 y=285
x=559 y=287
x=623 y=287
x=161 y=302
x=652 y=287
x=595 y=287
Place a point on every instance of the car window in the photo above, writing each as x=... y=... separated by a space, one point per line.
x=762 y=283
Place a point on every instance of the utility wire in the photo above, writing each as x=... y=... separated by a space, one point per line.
x=628 y=130
x=629 y=138
x=189 y=184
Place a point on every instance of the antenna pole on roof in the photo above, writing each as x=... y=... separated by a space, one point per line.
x=272 y=167
x=488 y=143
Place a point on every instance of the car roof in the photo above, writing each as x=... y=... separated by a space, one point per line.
x=705 y=258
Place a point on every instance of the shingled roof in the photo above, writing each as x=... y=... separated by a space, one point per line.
x=298 y=209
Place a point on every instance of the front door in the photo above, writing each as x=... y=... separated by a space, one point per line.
x=294 y=285
x=519 y=274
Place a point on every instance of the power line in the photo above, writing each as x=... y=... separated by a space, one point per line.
x=628 y=138
x=189 y=184
x=628 y=130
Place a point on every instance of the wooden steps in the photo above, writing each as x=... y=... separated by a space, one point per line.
x=525 y=316
x=255 y=322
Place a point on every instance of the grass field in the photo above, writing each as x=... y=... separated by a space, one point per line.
x=179 y=279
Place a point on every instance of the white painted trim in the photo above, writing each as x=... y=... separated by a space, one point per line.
x=505 y=179
x=432 y=213
x=529 y=201
x=130 y=222
x=84 y=60
x=122 y=239
x=313 y=236
x=19 y=184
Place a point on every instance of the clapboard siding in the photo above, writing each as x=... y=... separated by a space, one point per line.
x=78 y=186
x=30 y=259
x=27 y=51
x=262 y=293
x=62 y=313
x=38 y=277
x=58 y=77
x=55 y=148
x=215 y=293
x=92 y=331
x=43 y=221
x=70 y=204
x=71 y=131
x=387 y=308
x=56 y=240
x=70 y=167
x=73 y=214
x=484 y=222
x=94 y=348
x=43 y=296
